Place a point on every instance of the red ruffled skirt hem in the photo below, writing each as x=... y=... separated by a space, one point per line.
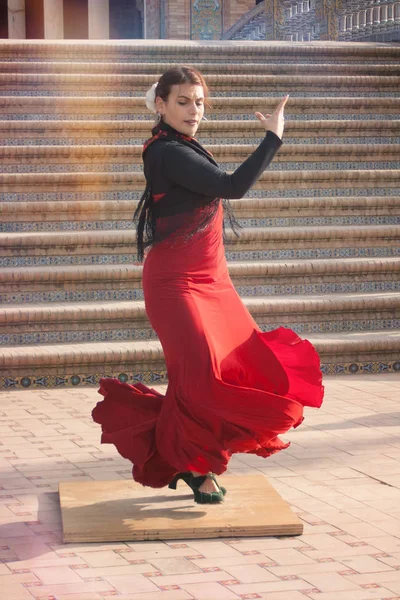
x=198 y=429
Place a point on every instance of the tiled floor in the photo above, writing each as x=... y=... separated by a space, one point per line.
x=341 y=475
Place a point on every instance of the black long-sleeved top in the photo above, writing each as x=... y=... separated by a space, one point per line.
x=171 y=164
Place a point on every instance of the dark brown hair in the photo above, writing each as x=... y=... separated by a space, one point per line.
x=178 y=76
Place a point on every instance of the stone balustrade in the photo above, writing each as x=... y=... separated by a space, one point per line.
x=300 y=21
x=375 y=17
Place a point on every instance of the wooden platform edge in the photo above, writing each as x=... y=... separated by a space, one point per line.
x=292 y=530
x=121 y=534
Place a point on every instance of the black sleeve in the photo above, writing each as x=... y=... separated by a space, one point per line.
x=183 y=166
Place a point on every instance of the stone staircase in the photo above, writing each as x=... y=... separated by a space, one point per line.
x=319 y=251
x=254 y=29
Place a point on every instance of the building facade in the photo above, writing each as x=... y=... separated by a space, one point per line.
x=291 y=20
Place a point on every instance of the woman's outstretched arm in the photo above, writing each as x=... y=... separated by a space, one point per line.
x=184 y=167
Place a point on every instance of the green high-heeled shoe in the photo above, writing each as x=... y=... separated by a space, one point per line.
x=184 y=476
x=195 y=483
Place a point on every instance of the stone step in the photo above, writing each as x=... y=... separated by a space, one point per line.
x=109 y=156
x=112 y=107
x=73 y=364
x=66 y=82
x=242 y=252
x=269 y=180
x=157 y=68
x=113 y=321
x=383 y=161
x=181 y=51
x=118 y=247
x=71 y=281
x=119 y=133
x=13 y=226
x=17 y=197
x=272 y=212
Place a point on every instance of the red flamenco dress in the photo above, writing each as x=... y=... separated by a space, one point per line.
x=231 y=387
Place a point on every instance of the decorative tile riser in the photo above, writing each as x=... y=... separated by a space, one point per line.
x=78 y=378
x=340 y=287
x=318 y=249
x=57 y=376
x=134 y=195
x=114 y=214
x=270 y=249
x=232 y=93
x=76 y=335
x=235 y=115
x=251 y=68
x=364 y=138
x=38 y=222
x=297 y=107
x=232 y=255
x=129 y=167
x=61 y=379
x=383 y=284
x=384 y=362
x=210 y=132
x=140 y=83
x=97 y=333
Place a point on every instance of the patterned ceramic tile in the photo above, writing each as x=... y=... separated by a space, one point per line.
x=110 y=167
x=254 y=193
x=217 y=139
x=211 y=116
x=87 y=334
x=240 y=92
x=114 y=259
x=244 y=291
x=13 y=227
x=68 y=380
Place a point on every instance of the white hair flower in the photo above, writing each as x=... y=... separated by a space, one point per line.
x=151 y=98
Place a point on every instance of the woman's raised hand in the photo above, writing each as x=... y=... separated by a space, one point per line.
x=276 y=121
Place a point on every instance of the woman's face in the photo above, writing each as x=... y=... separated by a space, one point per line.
x=184 y=107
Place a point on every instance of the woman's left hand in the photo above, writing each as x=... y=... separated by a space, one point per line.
x=276 y=121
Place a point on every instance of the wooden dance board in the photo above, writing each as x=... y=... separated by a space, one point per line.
x=117 y=511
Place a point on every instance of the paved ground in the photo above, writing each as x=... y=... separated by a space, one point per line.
x=341 y=475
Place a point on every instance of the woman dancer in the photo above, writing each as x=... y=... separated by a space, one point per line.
x=231 y=388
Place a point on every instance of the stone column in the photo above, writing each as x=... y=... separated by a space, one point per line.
x=153 y=19
x=363 y=20
x=99 y=19
x=53 y=11
x=397 y=12
x=326 y=14
x=275 y=17
x=16 y=19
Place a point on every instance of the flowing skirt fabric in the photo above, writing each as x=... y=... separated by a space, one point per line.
x=231 y=388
